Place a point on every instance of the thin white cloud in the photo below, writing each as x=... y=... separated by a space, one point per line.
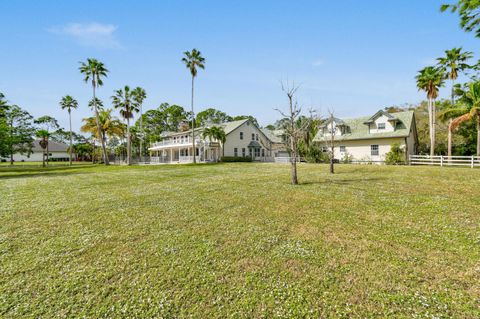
x=98 y=35
x=318 y=62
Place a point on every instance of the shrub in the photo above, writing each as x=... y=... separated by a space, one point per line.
x=314 y=154
x=231 y=159
x=347 y=158
x=396 y=156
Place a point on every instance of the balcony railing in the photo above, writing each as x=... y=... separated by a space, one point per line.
x=179 y=141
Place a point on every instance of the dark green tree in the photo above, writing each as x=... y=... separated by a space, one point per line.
x=19 y=133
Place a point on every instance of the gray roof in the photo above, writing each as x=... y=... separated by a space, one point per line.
x=380 y=113
x=254 y=144
x=358 y=130
x=228 y=127
x=335 y=119
x=52 y=146
x=273 y=135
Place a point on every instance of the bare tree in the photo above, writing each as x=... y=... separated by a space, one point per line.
x=293 y=132
x=331 y=129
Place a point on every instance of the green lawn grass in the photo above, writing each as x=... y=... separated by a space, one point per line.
x=238 y=241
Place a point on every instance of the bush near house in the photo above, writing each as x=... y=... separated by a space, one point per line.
x=232 y=159
x=396 y=156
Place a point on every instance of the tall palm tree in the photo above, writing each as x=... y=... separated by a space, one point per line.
x=95 y=70
x=430 y=79
x=96 y=101
x=454 y=62
x=193 y=60
x=470 y=102
x=68 y=103
x=125 y=101
x=139 y=96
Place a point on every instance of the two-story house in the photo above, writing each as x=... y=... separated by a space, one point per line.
x=368 y=139
x=243 y=139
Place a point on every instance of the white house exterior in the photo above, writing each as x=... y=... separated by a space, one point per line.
x=243 y=139
x=369 y=139
x=56 y=152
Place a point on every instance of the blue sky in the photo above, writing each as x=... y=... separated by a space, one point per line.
x=354 y=57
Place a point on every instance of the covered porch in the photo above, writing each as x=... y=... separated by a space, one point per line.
x=180 y=155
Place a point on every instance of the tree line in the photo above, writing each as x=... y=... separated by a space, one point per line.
x=461 y=113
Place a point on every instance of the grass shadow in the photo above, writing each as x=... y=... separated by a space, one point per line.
x=349 y=181
x=28 y=172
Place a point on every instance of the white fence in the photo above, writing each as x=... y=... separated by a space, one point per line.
x=440 y=160
x=286 y=159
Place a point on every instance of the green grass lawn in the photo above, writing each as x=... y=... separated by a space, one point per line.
x=238 y=241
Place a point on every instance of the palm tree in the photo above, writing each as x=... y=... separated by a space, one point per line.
x=470 y=107
x=430 y=79
x=454 y=62
x=126 y=102
x=94 y=70
x=98 y=102
x=216 y=133
x=109 y=126
x=193 y=60
x=44 y=135
x=69 y=103
x=139 y=96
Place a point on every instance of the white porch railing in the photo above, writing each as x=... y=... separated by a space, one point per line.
x=440 y=160
x=178 y=141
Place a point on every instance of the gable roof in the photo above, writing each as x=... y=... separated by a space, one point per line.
x=273 y=135
x=380 y=113
x=335 y=119
x=52 y=146
x=358 y=130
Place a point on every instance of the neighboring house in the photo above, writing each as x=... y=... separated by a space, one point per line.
x=56 y=152
x=279 y=146
x=368 y=139
x=243 y=139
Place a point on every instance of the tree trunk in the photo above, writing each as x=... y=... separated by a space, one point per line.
x=11 y=158
x=478 y=134
x=294 y=163
x=93 y=152
x=453 y=92
x=104 y=149
x=430 y=126
x=434 y=125
x=193 y=128
x=47 y=152
x=71 y=139
x=43 y=158
x=141 y=132
x=332 y=159
x=129 y=150
x=449 y=138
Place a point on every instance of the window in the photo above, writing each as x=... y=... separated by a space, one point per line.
x=235 y=152
x=256 y=137
x=381 y=126
x=343 y=149
x=374 y=150
x=243 y=152
x=241 y=135
x=263 y=152
x=253 y=137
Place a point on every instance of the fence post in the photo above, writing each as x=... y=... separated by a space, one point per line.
x=441 y=160
x=472 y=161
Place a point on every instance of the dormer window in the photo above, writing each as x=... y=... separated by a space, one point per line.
x=381 y=126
